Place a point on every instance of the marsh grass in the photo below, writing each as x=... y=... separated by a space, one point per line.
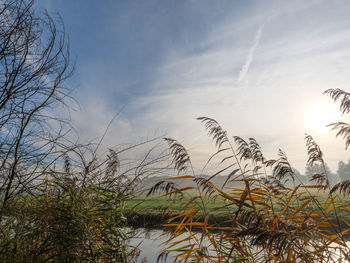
x=66 y=221
x=75 y=213
x=274 y=217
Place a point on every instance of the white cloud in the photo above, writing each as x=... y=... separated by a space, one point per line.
x=302 y=55
x=249 y=59
x=291 y=70
x=92 y=120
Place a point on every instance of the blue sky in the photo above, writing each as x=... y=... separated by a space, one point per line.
x=255 y=66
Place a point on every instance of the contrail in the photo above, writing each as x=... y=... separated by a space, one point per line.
x=250 y=56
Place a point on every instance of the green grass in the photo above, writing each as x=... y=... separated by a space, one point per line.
x=159 y=204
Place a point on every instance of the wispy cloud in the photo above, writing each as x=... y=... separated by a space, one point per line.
x=189 y=71
x=249 y=59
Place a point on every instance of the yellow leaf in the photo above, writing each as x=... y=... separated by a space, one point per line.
x=347 y=223
x=301 y=207
x=323 y=224
x=333 y=238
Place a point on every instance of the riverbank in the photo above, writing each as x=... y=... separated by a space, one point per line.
x=152 y=211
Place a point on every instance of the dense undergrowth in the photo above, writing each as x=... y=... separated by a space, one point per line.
x=73 y=216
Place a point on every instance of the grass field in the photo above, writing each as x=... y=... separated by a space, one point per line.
x=161 y=204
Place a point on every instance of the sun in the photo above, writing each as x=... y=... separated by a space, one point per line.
x=319 y=115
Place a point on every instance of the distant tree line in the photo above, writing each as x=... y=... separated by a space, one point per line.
x=342 y=173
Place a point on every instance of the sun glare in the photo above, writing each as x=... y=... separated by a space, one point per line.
x=319 y=115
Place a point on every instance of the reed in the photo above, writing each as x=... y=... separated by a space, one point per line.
x=274 y=217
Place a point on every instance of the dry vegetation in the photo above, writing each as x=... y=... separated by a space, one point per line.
x=270 y=221
x=60 y=201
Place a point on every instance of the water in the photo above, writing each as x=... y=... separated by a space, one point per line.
x=150 y=245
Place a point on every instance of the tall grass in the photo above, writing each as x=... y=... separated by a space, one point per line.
x=75 y=212
x=274 y=216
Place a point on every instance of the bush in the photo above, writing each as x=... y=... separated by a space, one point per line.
x=66 y=221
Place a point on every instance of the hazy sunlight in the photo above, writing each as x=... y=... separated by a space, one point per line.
x=319 y=115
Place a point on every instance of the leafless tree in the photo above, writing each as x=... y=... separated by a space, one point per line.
x=34 y=64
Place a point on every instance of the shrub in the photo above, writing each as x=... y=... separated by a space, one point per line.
x=69 y=218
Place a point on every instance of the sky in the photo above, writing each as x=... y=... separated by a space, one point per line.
x=258 y=67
